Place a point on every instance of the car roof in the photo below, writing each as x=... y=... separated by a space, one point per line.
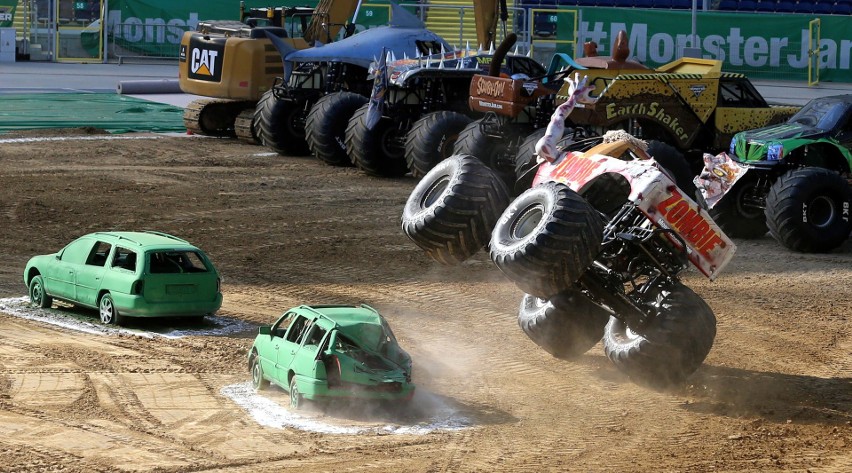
x=343 y=315
x=142 y=240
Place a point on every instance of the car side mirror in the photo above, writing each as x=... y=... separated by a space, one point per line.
x=264 y=330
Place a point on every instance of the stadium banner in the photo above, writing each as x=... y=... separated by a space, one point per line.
x=7 y=12
x=155 y=26
x=763 y=45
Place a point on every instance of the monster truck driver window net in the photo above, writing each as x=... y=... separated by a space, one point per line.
x=739 y=93
x=176 y=262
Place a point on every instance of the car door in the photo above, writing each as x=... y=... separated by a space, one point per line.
x=60 y=280
x=268 y=349
x=290 y=345
x=89 y=276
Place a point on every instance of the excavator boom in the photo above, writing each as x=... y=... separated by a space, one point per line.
x=329 y=17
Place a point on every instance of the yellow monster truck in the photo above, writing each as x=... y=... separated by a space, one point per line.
x=687 y=107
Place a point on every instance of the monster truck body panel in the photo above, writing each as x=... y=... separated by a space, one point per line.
x=656 y=196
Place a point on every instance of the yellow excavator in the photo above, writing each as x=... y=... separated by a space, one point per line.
x=232 y=63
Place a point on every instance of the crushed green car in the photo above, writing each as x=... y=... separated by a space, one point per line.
x=127 y=274
x=322 y=352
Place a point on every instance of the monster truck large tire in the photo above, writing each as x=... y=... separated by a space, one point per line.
x=808 y=210
x=671 y=346
x=325 y=128
x=375 y=151
x=526 y=161
x=566 y=326
x=280 y=126
x=474 y=142
x=735 y=217
x=431 y=140
x=452 y=210
x=673 y=161
x=546 y=238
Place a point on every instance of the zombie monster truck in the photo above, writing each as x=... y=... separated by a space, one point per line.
x=794 y=179
x=597 y=245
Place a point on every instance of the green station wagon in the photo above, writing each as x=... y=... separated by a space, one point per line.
x=127 y=274
x=331 y=351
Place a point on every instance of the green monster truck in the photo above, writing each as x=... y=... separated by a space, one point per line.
x=796 y=179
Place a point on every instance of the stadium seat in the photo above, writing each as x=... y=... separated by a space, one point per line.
x=747 y=5
x=766 y=5
x=822 y=8
x=609 y=3
x=662 y=3
x=842 y=9
x=786 y=6
x=643 y=3
x=728 y=5
x=682 y=4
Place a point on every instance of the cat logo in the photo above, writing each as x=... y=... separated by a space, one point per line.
x=203 y=62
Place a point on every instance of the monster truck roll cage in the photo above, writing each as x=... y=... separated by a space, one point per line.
x=636 y=257
x=317 y=78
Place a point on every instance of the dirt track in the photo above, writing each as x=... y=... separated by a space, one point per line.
x=775 y=393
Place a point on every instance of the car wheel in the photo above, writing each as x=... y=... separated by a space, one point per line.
x=546 y=238
x=431 y=140
x=807 y=210
x=281 y=126
x=296 y=398
x=565 y=326
x=258 y=382
x=108 y=312
x=452 y=210
x=38 y=297
x=325 y=129
x=671 y=346
x=379 y=151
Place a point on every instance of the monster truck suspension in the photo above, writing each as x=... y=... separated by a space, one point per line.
x=635 y=257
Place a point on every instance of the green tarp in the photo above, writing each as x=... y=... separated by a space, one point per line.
x=111 y=112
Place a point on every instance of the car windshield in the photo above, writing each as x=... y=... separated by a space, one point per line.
x=821 y=114
x=176 y=261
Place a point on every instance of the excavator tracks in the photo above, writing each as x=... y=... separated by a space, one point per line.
x=214 y=117
x=246 y=126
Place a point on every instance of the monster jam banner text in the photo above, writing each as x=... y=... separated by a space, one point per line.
x=761 y=46
x=7 y=12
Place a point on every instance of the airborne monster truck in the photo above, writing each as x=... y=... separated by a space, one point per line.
x=794 y=179
x=596 y=244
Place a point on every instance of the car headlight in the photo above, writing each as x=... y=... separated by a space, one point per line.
x=774 y=152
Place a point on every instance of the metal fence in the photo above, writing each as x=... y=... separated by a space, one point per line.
x=143 y=41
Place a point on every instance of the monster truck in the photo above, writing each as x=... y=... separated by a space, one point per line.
x=423 y=107
x=688 y=104
x=796 y=179
x=310 y=74
x=597 y=245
